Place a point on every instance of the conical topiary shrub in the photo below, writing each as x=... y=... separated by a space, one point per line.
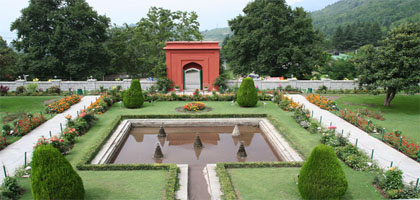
x=133 y=97
x=247 y=94
x=322 y=176
x=52 y=176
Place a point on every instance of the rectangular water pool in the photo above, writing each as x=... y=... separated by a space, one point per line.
x=177 y=147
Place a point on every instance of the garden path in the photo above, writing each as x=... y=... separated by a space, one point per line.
x=382 y=153
x=13 y=156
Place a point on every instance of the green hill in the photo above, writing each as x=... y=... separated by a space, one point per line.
x=387 y=13
x=217 y=34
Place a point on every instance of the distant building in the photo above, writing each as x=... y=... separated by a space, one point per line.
x=192 y=64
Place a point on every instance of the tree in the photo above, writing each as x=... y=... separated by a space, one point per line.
x=322 y=177
x=61 y=36
x=247 y=93
x=139 y=49
x=8 y=60
x=338 y=38
x=272 y=39
x=395 y=65
x=339 y=69
x=52 y=176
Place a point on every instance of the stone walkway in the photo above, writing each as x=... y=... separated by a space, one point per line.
x=382 y=154
x=13 y=156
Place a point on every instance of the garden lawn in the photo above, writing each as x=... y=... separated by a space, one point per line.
x=299 y=138
x=139 y=184
x=403 y=113
x=12 y=107
x=281 y=183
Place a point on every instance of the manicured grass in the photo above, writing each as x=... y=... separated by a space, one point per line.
x=403 y=113
x=19 y=104
x=139 y=184
x=281 y=183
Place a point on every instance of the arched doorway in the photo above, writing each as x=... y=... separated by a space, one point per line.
x=193 y=76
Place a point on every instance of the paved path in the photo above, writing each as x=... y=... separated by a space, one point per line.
x=383 y=153
x=12 y=157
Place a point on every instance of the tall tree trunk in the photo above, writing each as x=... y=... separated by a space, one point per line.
x=390 y=94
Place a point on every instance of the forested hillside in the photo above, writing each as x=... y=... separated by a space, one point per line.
x=217 y=34
x=387 y=13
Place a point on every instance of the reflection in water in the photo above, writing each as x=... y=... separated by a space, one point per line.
x=177 y=146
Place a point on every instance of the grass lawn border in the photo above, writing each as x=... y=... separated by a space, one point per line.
x=225 y=179
x=172 y=185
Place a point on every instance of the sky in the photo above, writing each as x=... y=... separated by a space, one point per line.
x=211 y=14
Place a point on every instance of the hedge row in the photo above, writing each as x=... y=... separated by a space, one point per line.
x=171 y=186
x=181 y=116
x=225 y=179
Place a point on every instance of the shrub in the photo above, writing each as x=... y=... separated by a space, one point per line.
x=6 y=128
x=133 y=97
x=10 y=188
x=164 y=84
x=3 y=90
x=20 y=89
x=247 y=93
x=54 y=90
x=52 y=176
x=322 y=176
x=33 y=87
x=3 y=142
x=393 y=179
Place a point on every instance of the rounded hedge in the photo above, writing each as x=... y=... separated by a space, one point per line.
x=133 y=97
x=52 y=176
x=322 y=176
x=247 y=94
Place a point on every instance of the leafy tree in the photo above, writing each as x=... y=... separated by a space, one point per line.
x=322 y=176
x=339 y=69
x=8 y=60
x=122 y=58
x=61 y=36
x=272 y=39
x=139 y=49
x=395 y=65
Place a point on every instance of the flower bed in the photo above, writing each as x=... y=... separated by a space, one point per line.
x=63 y=104
x=22 y=127
x=396 y=140
x=78 y=126
x=286 y=103
x=356 y=120
x=402 y=143
x=55 y=141
x=195 y=106
x=101 y=104
x=321 y=102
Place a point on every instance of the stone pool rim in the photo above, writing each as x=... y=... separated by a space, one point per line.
x=118 y=136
